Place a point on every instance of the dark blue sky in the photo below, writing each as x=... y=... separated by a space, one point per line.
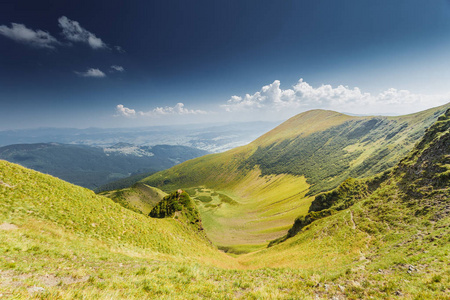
x=201 y=53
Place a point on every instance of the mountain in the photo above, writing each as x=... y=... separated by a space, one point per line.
x=388 y=237
x=389 y=234
x=94 y=166
x=274 y=179
x=209 y=137
x=59 y=240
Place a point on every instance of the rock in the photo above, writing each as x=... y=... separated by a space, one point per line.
x=8 y=226
x=35 y=289
x=341 y=288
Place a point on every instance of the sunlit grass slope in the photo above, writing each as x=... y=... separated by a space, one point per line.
x=380 y=237
x=388 y=241
x=29 y=198
x=273 y=179
x=139 y=197
x=60 y=241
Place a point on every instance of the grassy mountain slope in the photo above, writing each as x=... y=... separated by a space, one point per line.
x=139 y=197
x=59 y=241
x=31 y=197
x=273 y=179
x=382 y=236
x=94 y=166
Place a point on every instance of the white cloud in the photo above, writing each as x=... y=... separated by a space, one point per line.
x=116 y=68
x=75 y=33
x=35 y=38
x=124 y=111
x=92 y=73
x=178 y=109
x=303 y=96
x=119 y=49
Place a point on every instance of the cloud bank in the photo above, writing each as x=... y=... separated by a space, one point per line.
x=35 y=38
x=96 y=73
x=178 y=109
x=303 y=96
x=75 y=33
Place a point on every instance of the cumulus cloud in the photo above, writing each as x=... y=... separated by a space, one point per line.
x=75 y=33
x=303 y=96
x=96 y=73
x=178 y=109
x=116 y=68
x=125 y=111
x=35 y=38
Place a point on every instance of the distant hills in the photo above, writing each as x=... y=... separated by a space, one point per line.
x=209 y=137
x=274 y=179
x=92 y=167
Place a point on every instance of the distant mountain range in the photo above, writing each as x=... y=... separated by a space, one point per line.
x=92 y=167
x=209 y=137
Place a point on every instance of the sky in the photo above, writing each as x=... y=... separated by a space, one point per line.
x=136 y=63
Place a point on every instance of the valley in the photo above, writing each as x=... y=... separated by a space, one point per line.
x=380 y=236
x=93 y=167
x=248 y=150
x=274 y=179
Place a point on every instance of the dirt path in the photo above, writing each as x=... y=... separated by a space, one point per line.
x=5 y=184
x=351 y=218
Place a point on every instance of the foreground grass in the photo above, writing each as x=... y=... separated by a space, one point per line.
x=38 y=261
x=382 y=258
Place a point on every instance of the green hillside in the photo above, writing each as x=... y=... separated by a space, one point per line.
x=179 y=205
x=387 y=238
x=139 y=197
x=273 y=180
x=389 y=235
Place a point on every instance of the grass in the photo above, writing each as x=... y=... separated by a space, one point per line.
x=231 y=217
x=328 y=259
x=139 y=198
x=273 y=180
x=59 y=241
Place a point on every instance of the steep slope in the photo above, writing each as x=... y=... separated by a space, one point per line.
x=59 y=241
x=139 y=197
x=94 y=166
x=273 y=179
x=382 y=236
x=31 y=197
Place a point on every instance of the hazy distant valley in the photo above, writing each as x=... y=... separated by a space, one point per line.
x=209 y=137
x=92 y=167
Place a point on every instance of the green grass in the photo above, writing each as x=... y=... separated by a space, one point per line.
x=387 y=241
x=273 y=180
x=35 y=197
x=139 y=197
